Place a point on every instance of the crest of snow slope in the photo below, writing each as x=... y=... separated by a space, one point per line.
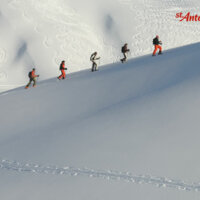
x=141 y=117
x=41 y=33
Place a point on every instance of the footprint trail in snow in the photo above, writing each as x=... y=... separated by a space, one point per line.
x=106 y=174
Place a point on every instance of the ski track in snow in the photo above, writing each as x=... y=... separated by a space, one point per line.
x=105 y=174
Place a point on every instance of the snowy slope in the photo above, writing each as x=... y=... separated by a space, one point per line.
x=127 y=123
x=41 y=33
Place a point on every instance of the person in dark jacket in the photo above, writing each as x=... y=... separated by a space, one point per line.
x=124 y=50
x=93 y=59
x=32 y=77
x=62 y=69
x=157 y=44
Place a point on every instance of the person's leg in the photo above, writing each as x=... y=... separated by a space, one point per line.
x=93 y=64
x=60 y=76
x=34 y=82
x=160 y=49
x=155 y=50
x=125 y=57
x=29 y=83
x=63 y=74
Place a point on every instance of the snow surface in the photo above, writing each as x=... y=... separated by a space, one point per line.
x=41 y=33
x=127 y=131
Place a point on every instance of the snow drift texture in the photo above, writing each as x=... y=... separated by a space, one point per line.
x=41 y=33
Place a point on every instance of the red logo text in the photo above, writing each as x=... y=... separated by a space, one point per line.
x=188 y=17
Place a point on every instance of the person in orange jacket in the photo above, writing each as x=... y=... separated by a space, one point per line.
x=62 y=69
x=157 y=43
x=32 y=77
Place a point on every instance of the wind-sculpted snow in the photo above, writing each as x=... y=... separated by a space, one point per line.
x=71 y=30
x=158 y=17
x=92 y=173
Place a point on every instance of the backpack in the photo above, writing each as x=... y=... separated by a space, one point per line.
x=154 y=41
x=92 y=57
x=30 y=74
x=61 y=67
x=123 y=49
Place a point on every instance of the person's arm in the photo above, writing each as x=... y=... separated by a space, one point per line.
x=36 y=75
x=33 y=74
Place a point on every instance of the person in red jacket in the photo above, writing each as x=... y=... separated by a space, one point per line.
x=157 y=44
x=62 y=69
x=32 y=77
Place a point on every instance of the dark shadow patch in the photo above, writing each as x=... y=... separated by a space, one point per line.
x=112 y=31
x=109 y=23
x=21 y=51
x=23 y=54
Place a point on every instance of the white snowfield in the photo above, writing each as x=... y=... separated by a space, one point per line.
x=126 y=131
x=42 y=33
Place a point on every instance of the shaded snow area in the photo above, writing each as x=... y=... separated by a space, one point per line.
x=127 y=131
x=41 y=33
